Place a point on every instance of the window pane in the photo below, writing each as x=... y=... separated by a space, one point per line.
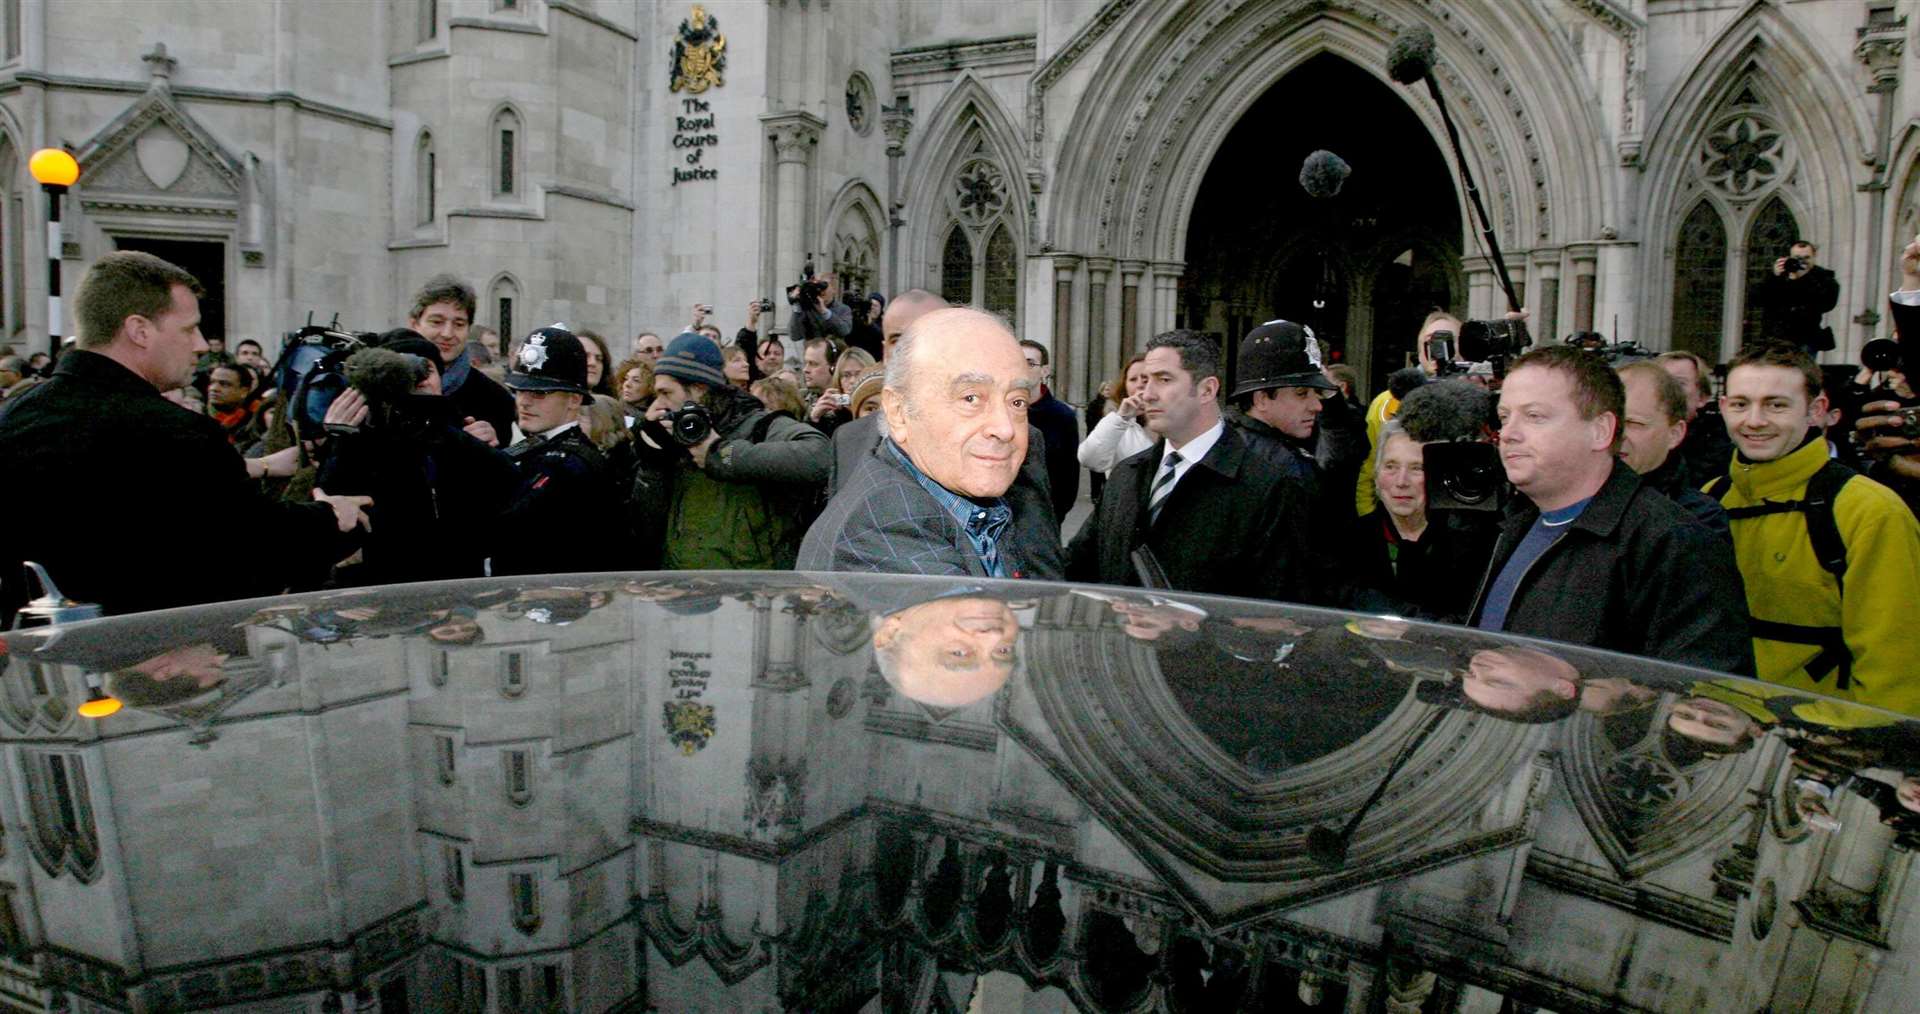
x=505 y=327
x=1773 y=229
x=956 y=268
x=1700 y=282
x=506 y=161
x=1003 y=274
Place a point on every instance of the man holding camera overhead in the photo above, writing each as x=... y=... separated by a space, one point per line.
x=737 y=482
x=1794 y=298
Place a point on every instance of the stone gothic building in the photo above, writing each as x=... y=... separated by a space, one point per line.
x=1098 y=170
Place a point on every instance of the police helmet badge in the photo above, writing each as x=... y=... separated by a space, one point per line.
x=1312 y=348
x=533 y=354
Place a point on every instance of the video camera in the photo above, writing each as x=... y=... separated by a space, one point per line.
x=1479 y=341
x=1880 y=356
x=806 y=295
x=1615 y=353
x=311 y=371
x=1465 y=475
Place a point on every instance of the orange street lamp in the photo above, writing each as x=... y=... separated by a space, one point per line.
x=55 y=170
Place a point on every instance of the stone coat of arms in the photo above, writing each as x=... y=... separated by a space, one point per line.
x=700 y=54
x=689 y=725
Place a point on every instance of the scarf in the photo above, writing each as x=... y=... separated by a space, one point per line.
x=455 y=373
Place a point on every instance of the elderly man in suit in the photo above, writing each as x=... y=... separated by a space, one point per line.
x=931 y=499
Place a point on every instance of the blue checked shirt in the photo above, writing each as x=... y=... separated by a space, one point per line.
x=983 y=525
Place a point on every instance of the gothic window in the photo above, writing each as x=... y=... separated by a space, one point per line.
x=442 y=668
x=1743 y=155
x=1772 y=230
x=456 y=870
x=523 y=897
x=856 y=250
x=859 y=103
x=13 y=942
x=13 y=238
x=506 y=136
x=551 y=989
x=1700 y=282
x=424 y=187
x=513 y=988
x=513 y=673
x=518 y=765
x=506 y=5
x=502 y=296
x=1003 y=274
x=980 y=264
x=12 y=29
x=429 y=20
x=956 y=268
x=60 y=831
x=443 y=758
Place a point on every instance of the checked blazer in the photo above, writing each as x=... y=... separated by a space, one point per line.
x=882 y=521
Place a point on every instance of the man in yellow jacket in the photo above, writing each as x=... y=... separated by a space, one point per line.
x=1830 y=616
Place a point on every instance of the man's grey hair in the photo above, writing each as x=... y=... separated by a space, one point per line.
x=899 y=367
x=13 y=364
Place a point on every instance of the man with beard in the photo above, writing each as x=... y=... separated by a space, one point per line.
x=735 y=497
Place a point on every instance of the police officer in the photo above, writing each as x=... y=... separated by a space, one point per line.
x=564 y=507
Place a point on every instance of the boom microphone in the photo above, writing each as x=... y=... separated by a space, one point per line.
x=1323 y=173
x=1410 y=58
x=1446 y=411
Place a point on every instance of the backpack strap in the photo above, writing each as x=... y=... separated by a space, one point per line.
x=760 y=427
x=1823 y=490
x=1719 y=486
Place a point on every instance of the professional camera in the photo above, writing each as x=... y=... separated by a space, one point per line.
x=1465 y=475
x=690 y=423
x=1795 y=265
x=388 y=380
x=1443 y=347
x=1493 y=341
x=806 y=295
x=311 y=371
x=858 y=305
x=1615 y=353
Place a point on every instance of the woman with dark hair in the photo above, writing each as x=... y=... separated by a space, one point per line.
x=599 y=362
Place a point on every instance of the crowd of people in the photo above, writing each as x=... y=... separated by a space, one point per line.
x=1755 y=518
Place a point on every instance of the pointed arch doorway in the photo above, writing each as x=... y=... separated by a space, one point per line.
x=1363 y=268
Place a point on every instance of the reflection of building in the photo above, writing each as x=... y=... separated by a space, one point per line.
x=715 y=803
x=1098 y=170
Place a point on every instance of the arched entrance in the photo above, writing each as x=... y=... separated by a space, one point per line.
x=1361 y=268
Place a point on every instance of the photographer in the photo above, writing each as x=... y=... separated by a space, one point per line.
x=395 y=437
x=1793 y=299
x=737 y=482
x=817 y=309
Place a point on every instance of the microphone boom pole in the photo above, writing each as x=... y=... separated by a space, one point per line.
x=1473 y=196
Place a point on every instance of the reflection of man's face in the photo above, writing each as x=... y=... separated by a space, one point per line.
x=1144 y=621
x=1503 y=680
x=1908 y=792
x=204 y=664
x=949 y=652
x=454 y=630
x=1716 y=723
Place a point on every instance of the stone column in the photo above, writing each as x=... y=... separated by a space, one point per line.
x=1102 y=336
x=1585 y=267
x=897 y=122
x=1065 y=268
x=1166 y=295
x=1132 y=324
x=795 y=137
x=1545 y=306
x=1883 y=41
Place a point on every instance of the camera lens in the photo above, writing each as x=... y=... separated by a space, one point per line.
x=1880 y=354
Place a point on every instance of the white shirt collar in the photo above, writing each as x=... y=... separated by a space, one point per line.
x=1197 y=448
x=557 y=430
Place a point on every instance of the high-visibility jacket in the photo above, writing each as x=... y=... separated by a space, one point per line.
x=1383 y=407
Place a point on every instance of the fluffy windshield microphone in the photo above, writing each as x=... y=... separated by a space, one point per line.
x=1410 y=59
x=1448 y=410
x=1323 y=173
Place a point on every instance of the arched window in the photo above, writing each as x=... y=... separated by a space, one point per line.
x=13 y=240
x=1772 y=230
x=956 y=268
x=426 y=185
x=980 y=262
x=503 y=298
x=506 y=137
x=1700 y=282
x=1003 y=274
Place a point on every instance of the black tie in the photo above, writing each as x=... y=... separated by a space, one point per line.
x=1157 y=497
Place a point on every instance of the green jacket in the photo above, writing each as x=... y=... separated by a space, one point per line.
x=751 y=503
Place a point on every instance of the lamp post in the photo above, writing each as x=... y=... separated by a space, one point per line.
x=55 y=170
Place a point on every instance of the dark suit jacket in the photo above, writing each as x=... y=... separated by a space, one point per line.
x=1633 y=573
x=884 y=521
x=1234 y=525
x=128 y=500
x=1056 y=419
x=1037 y=545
